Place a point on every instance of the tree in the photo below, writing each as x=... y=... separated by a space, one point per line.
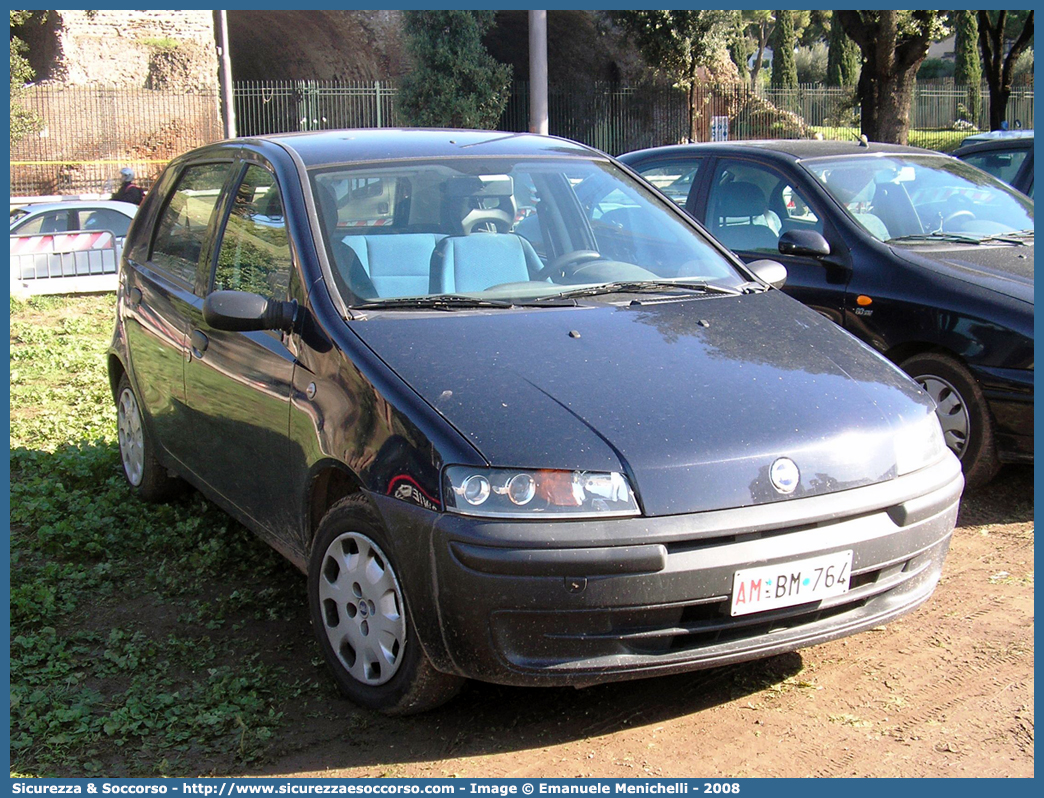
x=454 y=82
x=893 y=44
x=967 y=69
x=784 y=69
x=760 y=25
x=842 y=58
x=999 y=66
x=23 y=121
x=679 y=43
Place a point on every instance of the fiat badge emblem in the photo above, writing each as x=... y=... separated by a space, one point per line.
x=785 y=475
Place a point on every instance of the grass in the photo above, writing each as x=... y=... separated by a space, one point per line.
x=134 y=627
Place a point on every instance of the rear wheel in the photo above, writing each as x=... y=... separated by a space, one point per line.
x=361 y=618
x=962 y=411
x=147 y=478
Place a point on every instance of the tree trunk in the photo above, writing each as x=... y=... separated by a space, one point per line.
x=997 y=67
x=693 y=133
x=890 y=63
x=998 y=104
x=762 y=42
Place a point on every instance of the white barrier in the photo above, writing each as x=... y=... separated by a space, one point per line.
x=77 y=262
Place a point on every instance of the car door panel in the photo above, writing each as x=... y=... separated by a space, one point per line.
x=820 y=283
x=154 y=319
x=237 y=384
x=158 y=293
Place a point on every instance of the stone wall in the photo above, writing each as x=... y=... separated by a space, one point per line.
x=171 y=50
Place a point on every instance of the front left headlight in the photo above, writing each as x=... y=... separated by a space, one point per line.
x=919 y=445
x=544 y=493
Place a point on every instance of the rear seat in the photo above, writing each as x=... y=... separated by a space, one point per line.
x=398 y=265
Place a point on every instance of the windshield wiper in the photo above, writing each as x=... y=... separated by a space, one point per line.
x=1014 y=237
x=936 y=235
x=437 y=302
x=642 y=287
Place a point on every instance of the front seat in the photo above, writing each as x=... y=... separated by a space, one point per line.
x=741 y=218
x=474 y=263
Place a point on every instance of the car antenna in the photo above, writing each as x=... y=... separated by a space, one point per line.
x=863 y=140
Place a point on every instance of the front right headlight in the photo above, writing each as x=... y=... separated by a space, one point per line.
x=544 y=493
x=918 y=445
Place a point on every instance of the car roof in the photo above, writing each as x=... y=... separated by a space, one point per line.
x=344 y=146
x=998 y=135
x=780 y=149
x=127 y=208
x=1005 y=144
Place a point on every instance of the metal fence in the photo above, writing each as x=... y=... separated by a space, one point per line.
x=89 y=133
x=59 y=263
x=281 y=106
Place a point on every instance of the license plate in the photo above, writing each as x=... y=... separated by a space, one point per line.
x=770 y=587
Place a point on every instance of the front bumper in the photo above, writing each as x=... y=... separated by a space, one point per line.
x=584 y=602
x=1009 y=393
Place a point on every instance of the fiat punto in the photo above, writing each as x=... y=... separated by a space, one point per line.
x=515 y=415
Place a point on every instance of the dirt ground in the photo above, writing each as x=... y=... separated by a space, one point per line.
x=945 y=691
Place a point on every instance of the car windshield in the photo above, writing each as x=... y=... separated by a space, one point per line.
x=922 y=197
x=493 y=232
x=18 y=213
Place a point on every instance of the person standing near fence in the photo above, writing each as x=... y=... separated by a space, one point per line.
x=128 y=192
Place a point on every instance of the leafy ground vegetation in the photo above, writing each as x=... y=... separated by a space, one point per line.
x=123 y=615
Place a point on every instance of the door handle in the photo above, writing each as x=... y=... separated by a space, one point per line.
x=134 y=296
x=200 y=342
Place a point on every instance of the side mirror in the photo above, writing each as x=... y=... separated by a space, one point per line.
x=239 y=311
x=769 y=271
x=803 y=242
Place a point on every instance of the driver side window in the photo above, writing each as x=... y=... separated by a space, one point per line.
x=749 y=206
x=255 y=250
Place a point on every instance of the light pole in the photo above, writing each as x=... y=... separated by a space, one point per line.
x=229 y=117
x=538 y=72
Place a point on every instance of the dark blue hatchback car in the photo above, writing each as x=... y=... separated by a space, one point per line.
x=514 y=414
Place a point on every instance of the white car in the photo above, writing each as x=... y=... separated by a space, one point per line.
x=61 y=217
x=41 y=265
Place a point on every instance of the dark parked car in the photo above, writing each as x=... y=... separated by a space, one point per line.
x=1007 y=155
x=608 y=452
x=924 y=258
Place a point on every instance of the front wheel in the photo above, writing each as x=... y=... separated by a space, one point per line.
x=962 y=411
x=361 y=617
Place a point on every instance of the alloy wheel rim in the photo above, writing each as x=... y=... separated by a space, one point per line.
x=362 y=609
x=951 y=410
x=131 y=437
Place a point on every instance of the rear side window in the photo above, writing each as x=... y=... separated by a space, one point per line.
x=255 y=251
x=105 y=219
x=183 y=224
x=674 y=178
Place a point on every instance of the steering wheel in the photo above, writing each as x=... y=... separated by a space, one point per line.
x=567 y=259
x=961 y=214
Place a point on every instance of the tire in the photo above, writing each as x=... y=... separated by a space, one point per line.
x=963 y=413
x=147 y=478
x=360 y=616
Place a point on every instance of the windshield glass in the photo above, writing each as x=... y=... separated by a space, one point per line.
x=910 y=197
x=502 y=229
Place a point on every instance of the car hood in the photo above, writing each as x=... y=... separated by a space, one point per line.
x=693 y=399
x=1004 y=268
